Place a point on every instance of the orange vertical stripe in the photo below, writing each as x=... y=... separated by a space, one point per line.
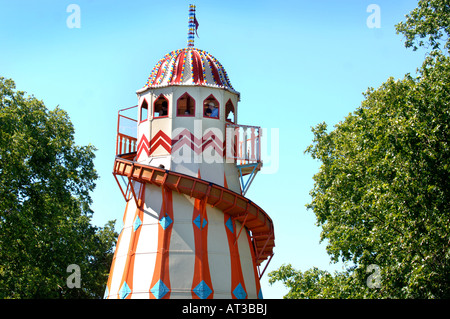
x=135 y=239
x=255 y=270
x=129 y=264
x=113 y=263
x=201 y=266
x=225 y=184
x=236 y=270
x=162 y=256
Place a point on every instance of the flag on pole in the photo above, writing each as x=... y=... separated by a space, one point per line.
x=193 y=26
x=196 y=25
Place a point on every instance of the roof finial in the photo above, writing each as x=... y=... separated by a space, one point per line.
x=193 y=26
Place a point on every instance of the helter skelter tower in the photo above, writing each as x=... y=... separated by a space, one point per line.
x=183 y=169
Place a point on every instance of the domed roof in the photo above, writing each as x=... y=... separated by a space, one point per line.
x=189 y=66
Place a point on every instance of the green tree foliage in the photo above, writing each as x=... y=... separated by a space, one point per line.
x=45 y=181
x=317 y=284
x=381 y=195
x=430 y=19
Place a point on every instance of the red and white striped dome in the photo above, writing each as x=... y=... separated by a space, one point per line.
x=189 y=66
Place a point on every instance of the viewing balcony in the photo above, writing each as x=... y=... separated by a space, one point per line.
x=126 y=140
x=242 y=144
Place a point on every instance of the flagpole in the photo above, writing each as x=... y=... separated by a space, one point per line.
x=193 y=24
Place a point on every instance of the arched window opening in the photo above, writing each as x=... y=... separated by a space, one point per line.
x=230 y=112
x=211 y=107
x=186 y=105
x=143 y=111
x=161 y=107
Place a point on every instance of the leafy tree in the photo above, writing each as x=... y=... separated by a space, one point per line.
x=430 y=19
x=316 y=284
x=45 y=181
x=381 y=195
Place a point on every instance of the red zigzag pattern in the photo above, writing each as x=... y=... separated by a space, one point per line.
x=198 y=145
x=143 y=146
x=185 y=137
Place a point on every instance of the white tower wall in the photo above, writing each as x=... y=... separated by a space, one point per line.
x=162 y=241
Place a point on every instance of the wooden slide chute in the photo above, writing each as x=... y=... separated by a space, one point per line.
x=237 y=206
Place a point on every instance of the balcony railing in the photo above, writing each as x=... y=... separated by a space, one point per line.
x=126 y=141
x=243 y=143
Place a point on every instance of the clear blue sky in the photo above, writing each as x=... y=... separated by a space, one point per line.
x=296 y=64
